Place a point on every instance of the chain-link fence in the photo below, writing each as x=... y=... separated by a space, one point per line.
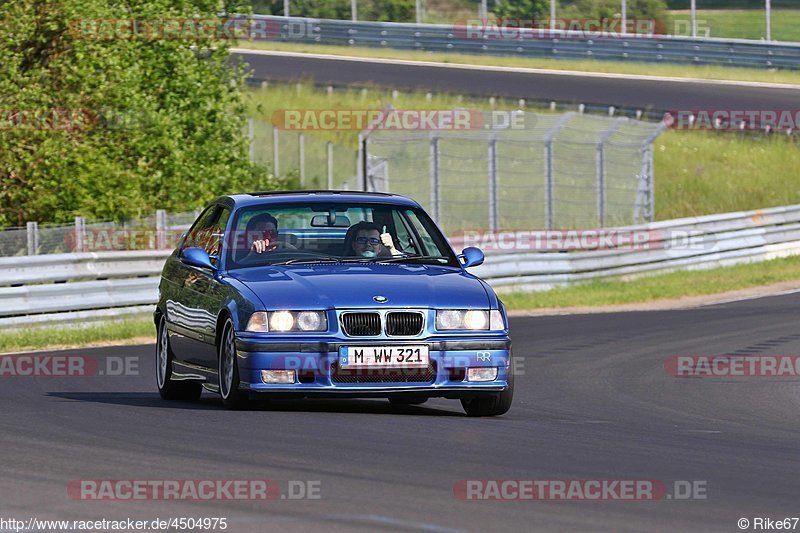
x=550 y=171
x=159 y=231
x=546 y=171
x=317 y=163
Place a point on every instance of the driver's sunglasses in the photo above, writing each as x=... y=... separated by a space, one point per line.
x=364 y=240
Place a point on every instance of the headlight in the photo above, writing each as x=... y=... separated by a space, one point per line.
x=309 y=320
x=258 y=322
x=496 y=322
x=469 y=319
x=281 y=321
x=284 y=321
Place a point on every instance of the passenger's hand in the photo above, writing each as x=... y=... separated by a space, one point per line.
x=386 y=239
x=388 y=242
x=261 y=246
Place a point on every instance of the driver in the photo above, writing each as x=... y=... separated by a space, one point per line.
x=262 y=234
x=370 y=242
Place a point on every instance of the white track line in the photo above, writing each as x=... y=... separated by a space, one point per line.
x=523 y=70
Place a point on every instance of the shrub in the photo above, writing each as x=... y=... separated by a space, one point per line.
x=151 y=123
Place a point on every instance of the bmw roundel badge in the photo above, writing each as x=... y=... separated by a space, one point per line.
x=380 y=299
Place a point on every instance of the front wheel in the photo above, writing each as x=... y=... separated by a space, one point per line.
x=167 y=388
x=494 y=404
x=232 y=397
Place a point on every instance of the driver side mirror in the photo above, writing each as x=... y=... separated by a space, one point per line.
x=471 y=257
x=197 y=257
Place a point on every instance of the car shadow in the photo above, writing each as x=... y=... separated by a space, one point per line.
x=209 y=402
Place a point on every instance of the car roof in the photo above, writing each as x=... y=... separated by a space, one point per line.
x=287 y=197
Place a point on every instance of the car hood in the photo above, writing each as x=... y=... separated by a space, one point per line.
x=354 y=286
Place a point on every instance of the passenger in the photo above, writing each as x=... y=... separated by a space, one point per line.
x=370 y=242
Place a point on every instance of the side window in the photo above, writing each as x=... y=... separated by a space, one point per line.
x=405 y=242
x=208 y=231
x=213 y=244
x=427 y=243
x=195 y=235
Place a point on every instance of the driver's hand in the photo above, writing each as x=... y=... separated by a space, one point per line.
x=260 y=246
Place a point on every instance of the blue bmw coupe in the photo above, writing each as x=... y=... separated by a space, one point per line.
x=321 y=293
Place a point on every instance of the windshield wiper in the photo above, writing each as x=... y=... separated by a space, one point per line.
x=301 y=260
x=400 y=258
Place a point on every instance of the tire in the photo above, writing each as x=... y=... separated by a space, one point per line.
x=167 y=388
x=495 y=404
x=232 y=397
x=407 y=401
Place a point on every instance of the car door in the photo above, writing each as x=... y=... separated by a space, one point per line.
x=194 y=311
x=211 y=290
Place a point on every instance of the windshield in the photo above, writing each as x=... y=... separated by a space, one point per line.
x=282 y=234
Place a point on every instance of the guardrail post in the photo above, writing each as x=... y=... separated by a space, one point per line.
x=275 y=155
x=493 y=207
x=601 y=170
x=548 y=184
x=361 y=166
x=251 y=137
x=651 y=190
x=33 y=237
x=769 y=20
x=330 y=165
x=354 y=10
x=601 y=184
x=549 y=207
x=624 y=10
x=301 y=154
x=161 y=229
x=434 y=176
x=80 y=234
x=647 y=178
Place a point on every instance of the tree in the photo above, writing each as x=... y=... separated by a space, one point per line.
x=522 y=9
x=96 y=123
x=379 y=10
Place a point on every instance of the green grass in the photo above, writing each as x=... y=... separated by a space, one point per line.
x=743 y=23
x=696 y=173
x=37 y=338
x=660 y=287
x=700 y=173
x=448 y=11
x=650 y=69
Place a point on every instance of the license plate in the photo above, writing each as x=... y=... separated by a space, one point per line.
x=384 y=356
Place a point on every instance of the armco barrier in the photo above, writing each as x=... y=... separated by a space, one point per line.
x=566 y=44
x=722 y=240
x=53 y=289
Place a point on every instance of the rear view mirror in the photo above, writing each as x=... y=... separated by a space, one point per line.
x=324 y=221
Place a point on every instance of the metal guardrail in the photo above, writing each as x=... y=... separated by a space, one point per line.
x=718 y=240
x=60 y=268
x=532 y=43
x=53 y=289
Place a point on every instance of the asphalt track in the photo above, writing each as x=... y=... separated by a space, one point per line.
x=593 y=402
x=670 y=95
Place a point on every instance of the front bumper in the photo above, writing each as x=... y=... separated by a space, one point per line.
x=316 y=365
